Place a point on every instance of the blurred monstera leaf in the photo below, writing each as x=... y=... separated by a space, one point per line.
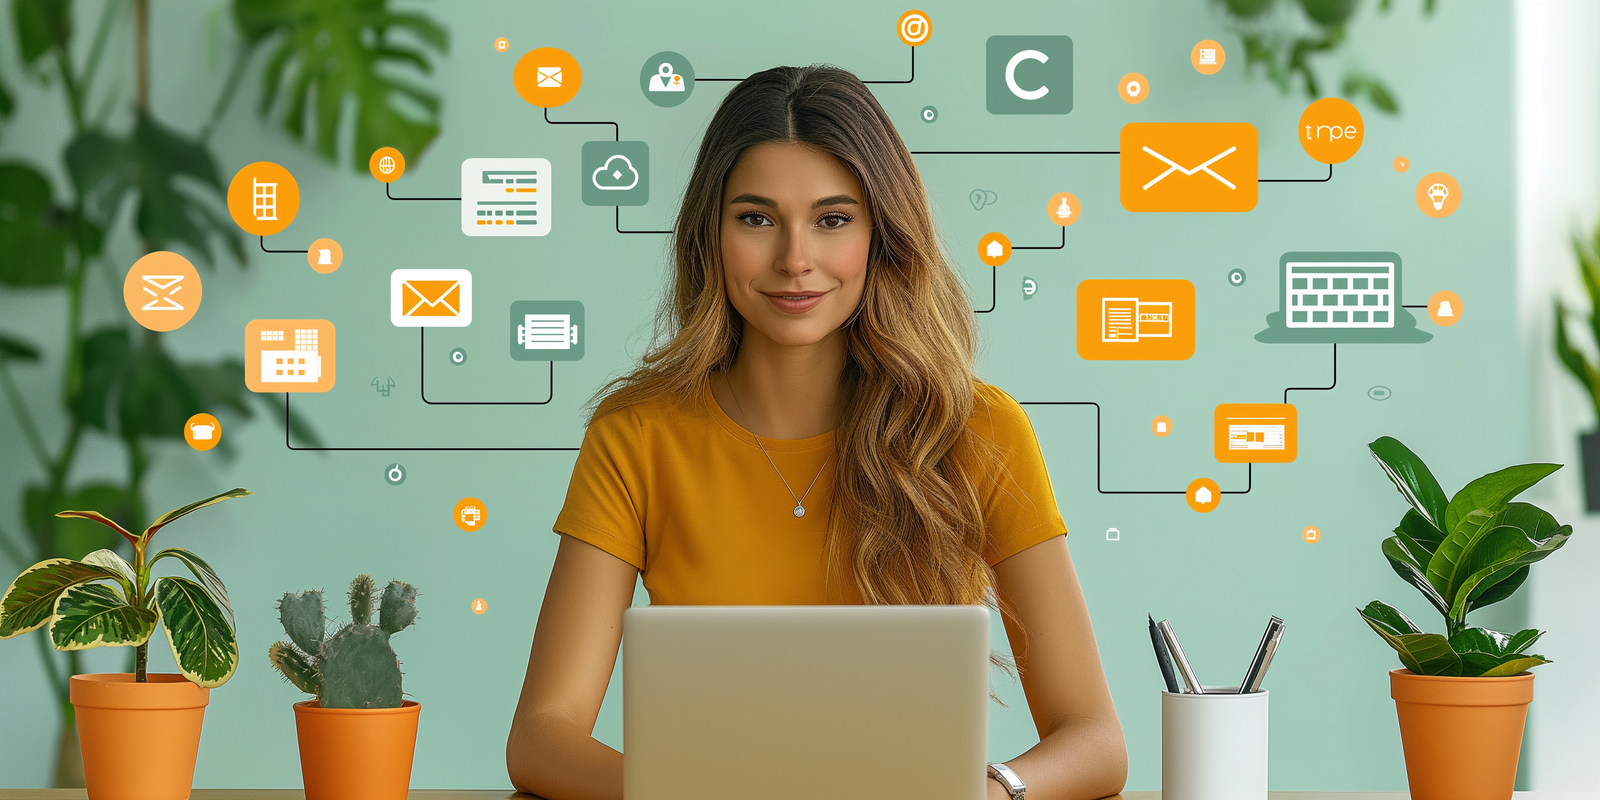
x=34 y=232
x=180 y=190
x=327 y=53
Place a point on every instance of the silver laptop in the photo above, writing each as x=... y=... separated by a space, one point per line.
x=805 y=702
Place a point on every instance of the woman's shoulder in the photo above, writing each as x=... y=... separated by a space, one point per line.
x=661 y=412
x=996 y=415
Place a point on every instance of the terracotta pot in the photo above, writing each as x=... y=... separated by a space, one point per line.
x=139 y=739
x=1462 y=736
x=356 y=752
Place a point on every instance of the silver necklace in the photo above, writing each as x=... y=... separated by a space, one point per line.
x=799 y=502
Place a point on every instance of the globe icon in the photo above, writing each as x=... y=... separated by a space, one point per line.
x=386 y=165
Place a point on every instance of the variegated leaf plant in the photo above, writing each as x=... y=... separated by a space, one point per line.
x=103 y=601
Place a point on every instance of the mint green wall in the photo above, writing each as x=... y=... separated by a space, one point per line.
x=321 y=518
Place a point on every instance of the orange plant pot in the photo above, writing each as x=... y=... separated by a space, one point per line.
x=1462 y=736
x=356 y=752
x=139 y=740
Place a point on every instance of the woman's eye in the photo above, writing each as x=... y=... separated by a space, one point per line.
x=755 y=219
x=834 y=221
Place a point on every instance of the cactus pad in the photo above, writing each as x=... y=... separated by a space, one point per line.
x=361 y=600
x=399 y=607
x=296 y=668
x=359 y=670
x=302 y=617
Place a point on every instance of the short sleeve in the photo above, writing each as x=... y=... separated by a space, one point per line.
x=605 y=502
x=1019 y=504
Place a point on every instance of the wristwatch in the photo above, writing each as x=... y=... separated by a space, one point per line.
x=1009 y=779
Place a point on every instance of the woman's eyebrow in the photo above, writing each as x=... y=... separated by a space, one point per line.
x=836 y=200
x=755 y=199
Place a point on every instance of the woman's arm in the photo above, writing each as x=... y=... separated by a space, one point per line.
x=1081 y=753
x=552 y=751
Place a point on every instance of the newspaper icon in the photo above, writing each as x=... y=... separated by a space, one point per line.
x=547 y=330
x=505 y=196
x=1126 y=319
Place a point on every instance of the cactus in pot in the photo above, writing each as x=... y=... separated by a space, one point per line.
x=354 y=667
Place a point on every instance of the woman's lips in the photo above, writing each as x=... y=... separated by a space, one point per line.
x=795 y=302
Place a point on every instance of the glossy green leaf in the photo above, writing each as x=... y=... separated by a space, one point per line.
x=1447 y=568
x=93 y=615
x=1536 y=523
x=1415 y=527
x=1422 y=653
x=1500 y=588
x=108 y=559
x=1480 y=640
x=1412 y=478
x=1507 y=556
x=178 y=513
x=1406 y=565
x=31 y=599
x=203 y=573
x=1523 y=640
x=203 y=643
x=32 y=235
x=1494 y=490
x=1514 y=666
x=1392 y=619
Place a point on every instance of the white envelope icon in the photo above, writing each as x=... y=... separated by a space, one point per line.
x=549 y=78
x=169 y=286
x=1173 y=166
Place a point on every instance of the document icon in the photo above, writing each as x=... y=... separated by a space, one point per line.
x=430 y=298
x=1189 y=166
x=289 y=355
x=1258 y=433
x=547 y=330
x=1135 y=320
x=505 y=196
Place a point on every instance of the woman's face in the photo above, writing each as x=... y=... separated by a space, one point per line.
x=795 y=237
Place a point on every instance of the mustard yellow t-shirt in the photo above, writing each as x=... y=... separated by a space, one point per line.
x=684 y=493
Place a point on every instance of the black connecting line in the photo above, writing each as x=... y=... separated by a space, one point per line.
x=290 y=445
x=994 y=291
x=392 y=197
x=1318 y=388
x=907 y=80
x=264 y=249
x=422 y=383
x=568 y=122
x=1016 y=152
x=1045 y=246
x=1299 y=180
x=619 y=224
x=1415 y=305
x=1249 y=471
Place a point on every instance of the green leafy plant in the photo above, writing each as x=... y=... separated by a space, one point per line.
x=1583 y=369
x=1463 y=553
x=103 y=601
x=355 y=667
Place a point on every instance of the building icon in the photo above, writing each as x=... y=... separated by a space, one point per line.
x=303 y=364
x=265 y=200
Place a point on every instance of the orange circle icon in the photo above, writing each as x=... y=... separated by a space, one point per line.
x=994 y=249
x=502 y=44
x=1207 y=57
x=1161 y=426
x=547 y=77
x=202 y=431
x=1444 y=308
x=479 y=607
x=914 y=27
x=162 y=291
x=1133 y=88
x=325 y=255
x=1438 y=194
x=386 y=164
x=470 y=514
x=263 y=198
x=1311 y=534
x=1062 y=209
x=1203 y=495
x=1331 y=130
x=1401 y=164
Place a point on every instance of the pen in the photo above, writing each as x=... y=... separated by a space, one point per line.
x=1184 y=669
x=1263 y=657
x=1163 y=658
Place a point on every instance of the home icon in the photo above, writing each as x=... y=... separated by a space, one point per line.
x=1202 y=496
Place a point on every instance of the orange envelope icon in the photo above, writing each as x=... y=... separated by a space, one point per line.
x=1189 y=166
x=433 y=298
x=1256 y=433
x=1135 y=320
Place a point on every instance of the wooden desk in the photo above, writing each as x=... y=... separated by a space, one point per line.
x=501 y=794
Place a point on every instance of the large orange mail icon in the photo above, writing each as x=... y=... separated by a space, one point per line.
x=430 y=298
x=1189 y=166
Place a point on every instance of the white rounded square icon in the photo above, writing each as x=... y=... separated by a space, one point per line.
x=505 y=196
x=430 y=298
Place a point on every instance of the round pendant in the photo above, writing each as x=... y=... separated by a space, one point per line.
x=799 y=511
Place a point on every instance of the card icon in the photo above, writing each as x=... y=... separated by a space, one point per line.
x=1135 y=320
x=1189 y=166
x=505 y=196
x=1255 y=433
x=547 y=330
x=616 y=173
x=430 y=298
x=289 y=355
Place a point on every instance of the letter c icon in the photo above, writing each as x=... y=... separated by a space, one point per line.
x=1011 y=75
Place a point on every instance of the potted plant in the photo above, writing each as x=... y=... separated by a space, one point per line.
x=1463 y=696
x=1585 y=371
x=139 y=732
x=357 y=738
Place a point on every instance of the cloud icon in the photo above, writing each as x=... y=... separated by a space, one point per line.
x=615 y=177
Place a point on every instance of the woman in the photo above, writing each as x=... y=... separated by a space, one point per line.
x=809 y=430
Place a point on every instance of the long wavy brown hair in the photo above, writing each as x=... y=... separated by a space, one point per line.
x=907 y=523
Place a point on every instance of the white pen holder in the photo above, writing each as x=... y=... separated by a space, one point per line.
x=1214 y=746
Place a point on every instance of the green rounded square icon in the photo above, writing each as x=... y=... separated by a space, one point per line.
x=547 y=330
x=1028 y=74
x=616 y=173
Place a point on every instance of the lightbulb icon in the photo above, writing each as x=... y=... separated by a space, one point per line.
x=1437 y=193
